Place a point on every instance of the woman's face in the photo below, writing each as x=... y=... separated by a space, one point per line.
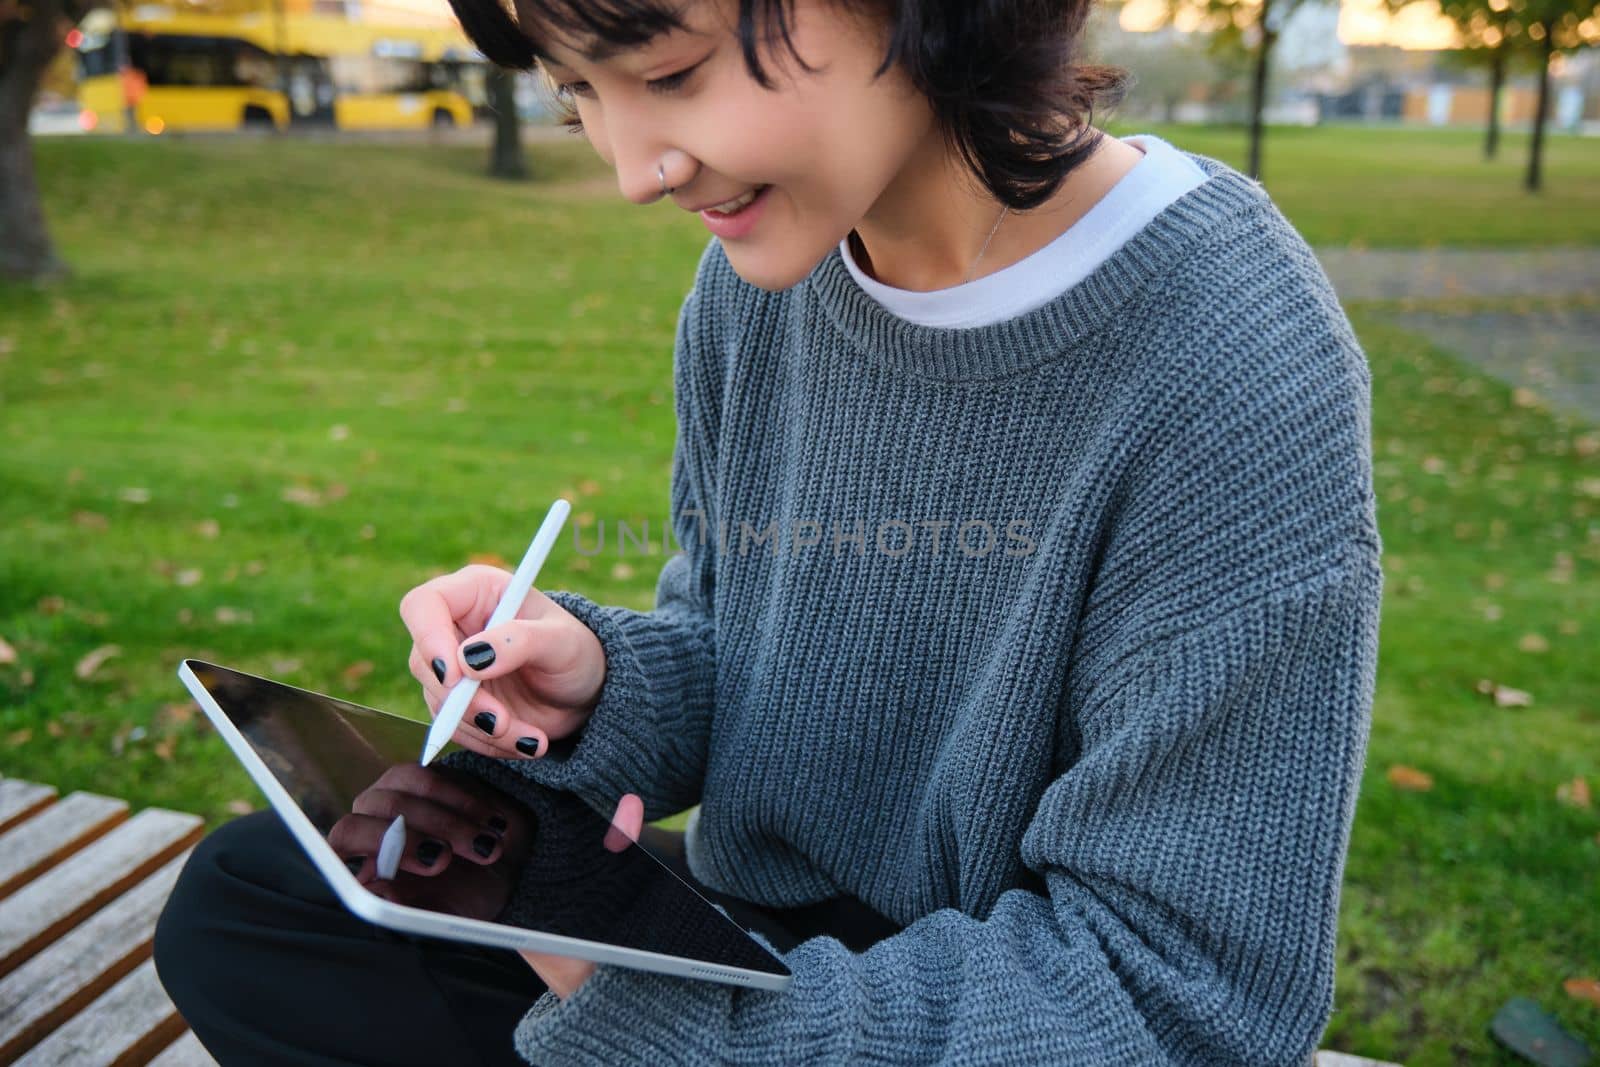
x=829 y=144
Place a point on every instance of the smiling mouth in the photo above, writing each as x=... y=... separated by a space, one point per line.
x=732 y=207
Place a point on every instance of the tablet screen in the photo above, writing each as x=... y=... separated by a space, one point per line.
x=570 y=873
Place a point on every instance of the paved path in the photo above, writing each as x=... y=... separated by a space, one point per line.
x=1556 y=353
x=1393 y=274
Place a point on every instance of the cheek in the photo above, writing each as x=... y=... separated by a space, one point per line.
x=594 y=131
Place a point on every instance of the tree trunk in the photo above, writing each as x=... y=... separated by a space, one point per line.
x=26 y=48
x=505 y=159
x=1258 y=91
x=1497 y=81
x=1536 y=150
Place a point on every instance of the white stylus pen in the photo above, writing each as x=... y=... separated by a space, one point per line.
x=455 y=704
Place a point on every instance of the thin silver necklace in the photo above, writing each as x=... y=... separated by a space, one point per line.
x=973 y=269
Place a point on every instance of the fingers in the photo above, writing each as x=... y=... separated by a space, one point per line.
x=626 y=824
x=488 y=727
x=357 y=836
x=443 y=610
x=457 y=792
x=469 y=838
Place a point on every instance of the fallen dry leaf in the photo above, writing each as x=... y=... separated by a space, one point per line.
x=91 y=663
x=90 y=520
x=1533 y=643
x=163 y=748
x=189 y=576
x=1503 y=695
x=239 y=807
x=51 y=605
x=178 y=713
x=302 y=494
x=7 y=653
x=1403 y=777
x=1574 y=794
x=589 y=487
x=1583 y=989
x=55 y=729
x=18 y=737
x=134 y=495
x=208 y=528
x=356 y=671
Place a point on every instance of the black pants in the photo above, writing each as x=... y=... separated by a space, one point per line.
x=267 y=966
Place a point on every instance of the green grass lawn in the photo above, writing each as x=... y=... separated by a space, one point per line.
x=292 y=380
x=1413 y=188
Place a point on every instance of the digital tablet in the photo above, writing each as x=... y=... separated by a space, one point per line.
x=573 y=886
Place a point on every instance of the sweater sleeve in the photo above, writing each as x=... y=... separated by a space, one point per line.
x=649 y=732
x=1193 y=854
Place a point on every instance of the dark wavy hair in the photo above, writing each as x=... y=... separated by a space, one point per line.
x=1002 y=76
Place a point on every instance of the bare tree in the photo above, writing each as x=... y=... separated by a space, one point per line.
x=1242 y=26
x=31 y=35
x=1506 y=31
x=506 y=159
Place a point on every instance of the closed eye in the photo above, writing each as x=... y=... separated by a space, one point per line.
x=670 y=83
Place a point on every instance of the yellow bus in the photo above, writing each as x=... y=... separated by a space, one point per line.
x=168 y=70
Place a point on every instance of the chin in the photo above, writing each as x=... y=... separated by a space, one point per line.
x=774 y=270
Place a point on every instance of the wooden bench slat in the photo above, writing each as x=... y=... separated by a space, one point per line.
x=187 y=1051
x=19 y=799
x=126 y=1024
x=47 y=990
x=54 y=833
x=53 y=903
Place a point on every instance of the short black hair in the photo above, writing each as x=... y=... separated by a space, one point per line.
x=1003 y=76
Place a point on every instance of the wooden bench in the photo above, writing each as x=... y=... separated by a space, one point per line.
x=81 y=886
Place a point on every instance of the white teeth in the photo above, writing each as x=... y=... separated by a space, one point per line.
x=729 y=207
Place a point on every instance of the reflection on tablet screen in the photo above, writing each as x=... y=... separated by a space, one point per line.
x=559 y=873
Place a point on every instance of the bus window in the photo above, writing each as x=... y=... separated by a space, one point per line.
x=97 y=59
x=170 y=60
x=372 y=74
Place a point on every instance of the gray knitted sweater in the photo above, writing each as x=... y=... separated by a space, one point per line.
x=1053 y=639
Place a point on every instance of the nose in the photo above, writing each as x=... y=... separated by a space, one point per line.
x=642 y=158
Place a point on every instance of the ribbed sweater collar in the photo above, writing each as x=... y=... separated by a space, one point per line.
x=1002 y=349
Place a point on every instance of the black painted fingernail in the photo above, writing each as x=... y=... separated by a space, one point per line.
x=354 y=863
x=438 y=668
x=483 y=844
x=484 y=721
x=497 y=824
x=528 y=746
x=479 y=654
x=429 y=851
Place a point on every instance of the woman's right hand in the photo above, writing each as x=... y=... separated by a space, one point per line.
x=541 y=672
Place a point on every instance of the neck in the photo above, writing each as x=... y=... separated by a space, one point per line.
x=926 y=231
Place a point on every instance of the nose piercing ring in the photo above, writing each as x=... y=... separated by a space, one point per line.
x=661 y=173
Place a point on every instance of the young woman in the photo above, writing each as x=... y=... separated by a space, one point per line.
x=1021 y=650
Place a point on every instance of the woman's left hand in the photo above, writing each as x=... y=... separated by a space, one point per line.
x=563 y=974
